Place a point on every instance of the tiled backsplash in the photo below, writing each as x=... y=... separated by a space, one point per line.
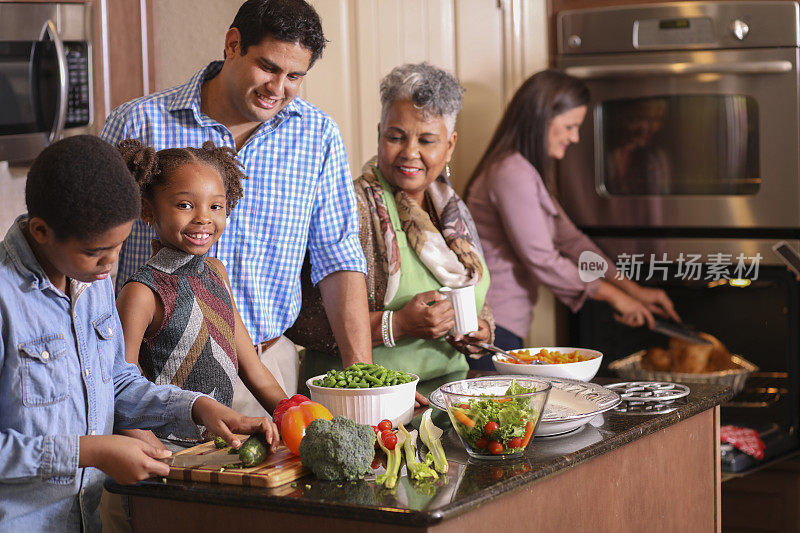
x=12 y=194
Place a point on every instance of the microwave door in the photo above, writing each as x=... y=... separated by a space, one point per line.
x=33 y=89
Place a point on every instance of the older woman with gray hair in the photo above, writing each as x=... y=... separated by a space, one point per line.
x=417 y=236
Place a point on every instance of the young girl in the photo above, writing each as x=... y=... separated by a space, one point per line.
x=178 y=317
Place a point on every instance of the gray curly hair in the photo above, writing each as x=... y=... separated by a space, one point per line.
x=429 y=88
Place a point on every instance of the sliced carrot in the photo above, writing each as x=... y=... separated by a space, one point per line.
x=528 y=434
x=503 y=400
x=464 y=419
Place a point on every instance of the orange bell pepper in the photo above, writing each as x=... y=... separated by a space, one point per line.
x=297 y=418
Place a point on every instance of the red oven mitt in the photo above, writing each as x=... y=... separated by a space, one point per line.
x=285 y=404
x=744 y=439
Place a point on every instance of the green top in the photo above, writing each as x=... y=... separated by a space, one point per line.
x=427 y=358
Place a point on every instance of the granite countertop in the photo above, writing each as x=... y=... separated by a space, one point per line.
x=469 y=482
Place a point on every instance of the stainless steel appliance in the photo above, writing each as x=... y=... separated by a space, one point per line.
x=691 y=154
x=45 y=75
x=695 y=118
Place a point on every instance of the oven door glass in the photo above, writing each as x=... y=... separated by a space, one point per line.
x=649 y=146
x=29 y=87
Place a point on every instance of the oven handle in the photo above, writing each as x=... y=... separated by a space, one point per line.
x=58 y=127
x=679 y=69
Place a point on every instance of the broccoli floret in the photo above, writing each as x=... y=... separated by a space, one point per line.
x=338 y=450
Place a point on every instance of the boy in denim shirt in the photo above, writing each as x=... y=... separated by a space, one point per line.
x=64 y=382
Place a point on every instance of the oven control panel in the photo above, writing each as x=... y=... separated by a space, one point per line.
x=672 y=31
x=679 y=26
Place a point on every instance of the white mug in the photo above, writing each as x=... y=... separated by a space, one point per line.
x=463 y=301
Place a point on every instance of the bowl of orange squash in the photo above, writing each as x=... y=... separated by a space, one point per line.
x=551 y=361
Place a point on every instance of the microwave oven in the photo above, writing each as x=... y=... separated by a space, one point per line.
x=45 y=76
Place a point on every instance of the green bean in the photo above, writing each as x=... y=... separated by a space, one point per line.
x=363 y=375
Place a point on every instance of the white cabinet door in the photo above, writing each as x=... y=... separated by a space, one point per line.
x=491 y=46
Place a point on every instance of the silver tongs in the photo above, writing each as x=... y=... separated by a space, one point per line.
x=678 y=331
x=494 y=349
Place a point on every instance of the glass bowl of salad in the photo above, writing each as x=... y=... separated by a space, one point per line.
x=495 y=416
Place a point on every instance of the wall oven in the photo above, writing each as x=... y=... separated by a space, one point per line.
x=45 y=75
x=690 y=153
x=695 y=120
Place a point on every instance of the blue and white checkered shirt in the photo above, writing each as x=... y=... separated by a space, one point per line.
x=299 y=196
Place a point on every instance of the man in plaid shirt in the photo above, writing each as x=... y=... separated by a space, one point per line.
x=299 y=195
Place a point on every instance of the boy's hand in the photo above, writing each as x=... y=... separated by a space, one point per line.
x=125 y=459
x=144 y=435
x=224 y=422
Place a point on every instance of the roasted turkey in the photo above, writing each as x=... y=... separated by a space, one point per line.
x=689 y=357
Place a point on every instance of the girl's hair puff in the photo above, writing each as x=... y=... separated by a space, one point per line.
x=151 y=168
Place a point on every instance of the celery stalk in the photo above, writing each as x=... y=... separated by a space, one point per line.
x=394 y=459
x=431 y=436
x=416 y=469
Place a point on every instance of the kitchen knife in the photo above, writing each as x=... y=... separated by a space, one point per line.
x=678 y=331
x=191 y=461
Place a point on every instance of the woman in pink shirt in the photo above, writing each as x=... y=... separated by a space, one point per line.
x=527 y=238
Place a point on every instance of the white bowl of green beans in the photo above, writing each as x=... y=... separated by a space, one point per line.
x=366 y=393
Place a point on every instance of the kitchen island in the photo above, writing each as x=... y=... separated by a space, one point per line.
x=620 y=472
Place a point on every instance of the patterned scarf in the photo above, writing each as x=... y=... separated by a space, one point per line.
x=452 y=254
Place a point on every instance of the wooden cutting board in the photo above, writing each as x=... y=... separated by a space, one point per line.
x=279 y=468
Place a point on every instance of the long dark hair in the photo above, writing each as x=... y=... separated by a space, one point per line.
x=527 y=118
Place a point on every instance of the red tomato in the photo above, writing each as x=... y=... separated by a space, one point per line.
x=375 y=429
x=516 y=442
x=463 y=406
x=389 y=439
x=497 y=473
x=384 y=424
x=495 y=448
x=489 y=428
x=481 y=443
x=295 y=420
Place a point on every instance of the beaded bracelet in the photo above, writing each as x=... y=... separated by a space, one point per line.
x=391 y=329
x=387 y=330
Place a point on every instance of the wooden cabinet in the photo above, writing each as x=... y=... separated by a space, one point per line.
x=665 y=481
x=129 y=40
